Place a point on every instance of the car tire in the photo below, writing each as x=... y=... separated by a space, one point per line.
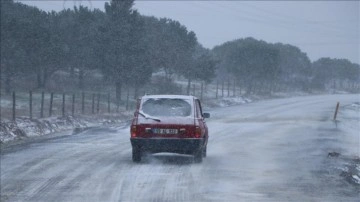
x=198 y=156
x=204 y=152
x=136 y=155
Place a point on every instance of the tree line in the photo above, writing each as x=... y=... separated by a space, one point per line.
x=120 y=44
x=126 y=48
x=261 y=67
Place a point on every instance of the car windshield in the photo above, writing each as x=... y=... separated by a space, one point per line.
x=166 y=107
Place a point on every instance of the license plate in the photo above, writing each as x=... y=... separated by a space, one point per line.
x=165 y=131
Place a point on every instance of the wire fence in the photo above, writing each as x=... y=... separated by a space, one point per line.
x=46 y=104
x=35 y=104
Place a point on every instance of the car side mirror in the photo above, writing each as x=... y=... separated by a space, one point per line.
x=206 y=115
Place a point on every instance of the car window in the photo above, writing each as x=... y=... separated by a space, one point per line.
x=166 y=107
x=198 y=109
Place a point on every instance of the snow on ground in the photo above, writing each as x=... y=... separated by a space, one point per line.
x=349 y=157
x=230 y=101
x=274 y=150
x=24 y=127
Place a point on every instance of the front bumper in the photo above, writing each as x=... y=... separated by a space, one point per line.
x=156 y=145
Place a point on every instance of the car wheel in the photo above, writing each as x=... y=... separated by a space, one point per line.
x=198 y=156
x=136 y=155
x=204 y=152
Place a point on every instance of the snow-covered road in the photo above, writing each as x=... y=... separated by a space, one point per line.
x=275 y=150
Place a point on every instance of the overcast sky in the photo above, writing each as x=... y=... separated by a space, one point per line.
x=321 y=28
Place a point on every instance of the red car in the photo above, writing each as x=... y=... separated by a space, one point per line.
x=169 y=123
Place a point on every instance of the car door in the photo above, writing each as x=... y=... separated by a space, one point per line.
x=201 y=119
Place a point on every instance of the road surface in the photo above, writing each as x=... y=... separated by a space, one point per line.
x=275 y=150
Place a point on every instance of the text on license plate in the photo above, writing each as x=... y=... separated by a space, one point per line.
x=165 y=131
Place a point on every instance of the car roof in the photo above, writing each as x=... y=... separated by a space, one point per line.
x=169 y=96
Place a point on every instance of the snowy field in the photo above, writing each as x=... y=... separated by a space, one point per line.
x=275 y=150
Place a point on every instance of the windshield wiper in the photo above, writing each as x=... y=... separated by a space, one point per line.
x=149 y=117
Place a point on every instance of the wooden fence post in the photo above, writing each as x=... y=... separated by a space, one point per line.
x=222 y=89
x=73 y=105
x=98 y=103
x=217 y=88
x=234 y=89
x=82 y=103
x=93 y=103
x=228 y=88
x=108 y=102
x=117 y=104
x=42 y=105
x=336 y=110
x=51 y=103
x=239 y=88
x=14 y=106
x=127 y=98
x=30 y=104
x=63 y=105
x=0 y=103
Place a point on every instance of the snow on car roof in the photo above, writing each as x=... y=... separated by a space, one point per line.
x=170 y=96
